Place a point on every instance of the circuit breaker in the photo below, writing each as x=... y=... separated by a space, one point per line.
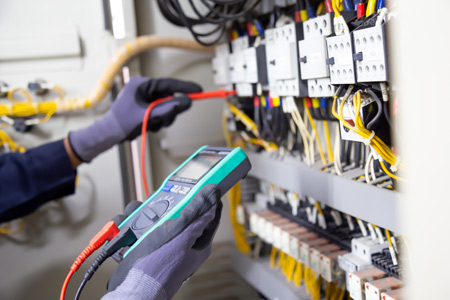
x=370 y=54
x=340 y=59
x=281 y=58
x=220 y=65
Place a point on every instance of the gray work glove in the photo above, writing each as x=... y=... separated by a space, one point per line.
x=158 y=266
x=123 y=121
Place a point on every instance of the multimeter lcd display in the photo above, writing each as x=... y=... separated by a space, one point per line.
x=198 y=167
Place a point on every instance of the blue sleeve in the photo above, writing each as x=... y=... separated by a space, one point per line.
x=30 y=179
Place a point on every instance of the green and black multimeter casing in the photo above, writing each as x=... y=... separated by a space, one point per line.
x=208 y=165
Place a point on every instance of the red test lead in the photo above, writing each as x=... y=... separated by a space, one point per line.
x=222 y=93
x=108 y=232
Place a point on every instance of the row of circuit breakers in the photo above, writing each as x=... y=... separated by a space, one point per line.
x=303 y=59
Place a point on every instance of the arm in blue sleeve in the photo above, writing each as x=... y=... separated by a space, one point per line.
x=30 y=179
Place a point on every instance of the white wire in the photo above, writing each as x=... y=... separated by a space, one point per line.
x=303 y=132
x=337 y=152
x=372 y=168
x=366 y=167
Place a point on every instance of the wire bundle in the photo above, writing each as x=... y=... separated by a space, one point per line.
x=369 y=136
x=219 y=12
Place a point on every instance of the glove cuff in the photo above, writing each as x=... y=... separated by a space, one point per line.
x=137 y=286
x=90 y=141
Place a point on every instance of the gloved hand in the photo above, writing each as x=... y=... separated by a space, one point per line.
x=158 y=266
x=124 y=119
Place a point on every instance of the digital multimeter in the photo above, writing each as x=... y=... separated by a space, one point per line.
x=208 y=165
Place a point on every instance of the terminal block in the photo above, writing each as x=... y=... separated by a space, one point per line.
x=359 y=279
x=397 y=294
x=374 y=289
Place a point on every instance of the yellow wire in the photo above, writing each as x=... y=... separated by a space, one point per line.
x=308 y=282
x=47 y=117
x=5 y=138
x=319 y=209
x=327 y=290
x=371 y=6
x=238 y=230
x=281 y=259
x=60 y=91
x=313 y=125
x=290 y=268
x=304 y=15
x=336 y=5
x=268 y=146
x=328 y=141
x=379 y=146
x=383 y=166
x=273 y=256
x=241 y=116
x=320 y=9
x=250 y=126
x=341 y=294
x=388 y=236
x=298 y=275
x=317 y=285
x=22 y=91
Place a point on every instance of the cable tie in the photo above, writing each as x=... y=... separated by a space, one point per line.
x=367 y=141
x=394 y=168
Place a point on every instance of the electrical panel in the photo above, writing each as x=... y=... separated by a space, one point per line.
x=319 y=203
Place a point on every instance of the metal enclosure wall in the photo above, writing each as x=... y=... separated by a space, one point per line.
x=423 y=71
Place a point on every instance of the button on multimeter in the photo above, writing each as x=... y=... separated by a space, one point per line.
x=167 y=187
x=150 y=215
x=175 y=189
x=184 y=190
